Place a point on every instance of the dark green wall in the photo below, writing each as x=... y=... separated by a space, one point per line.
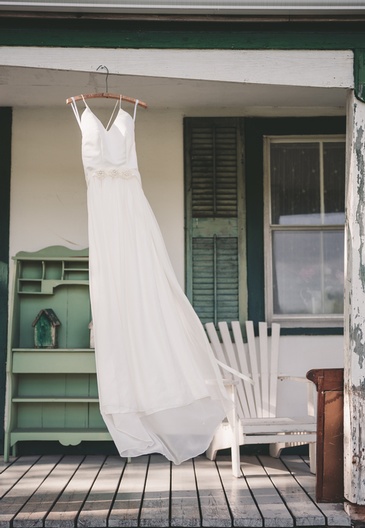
x=158 y=33
x=5 y=164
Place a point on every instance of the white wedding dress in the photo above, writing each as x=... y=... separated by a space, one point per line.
x=159 y=387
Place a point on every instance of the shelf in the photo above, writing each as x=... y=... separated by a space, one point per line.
x=53 y=360
x=51 y=393
x=46 y=286
x=64 y=436
x=65 y=399
x=56 y=430
x=50 y=350
x=41 y=273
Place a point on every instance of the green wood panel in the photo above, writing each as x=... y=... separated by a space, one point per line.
x=210 y=34
x=359 y=74
x=5 y=171
x=29 y=418
x=95 y=419
x=215 y=265
x=213 y=165
x=38 y=416
x=49 y=361
x=76 y=415
x=56 y=386
x=215 y=274
x=71 y=305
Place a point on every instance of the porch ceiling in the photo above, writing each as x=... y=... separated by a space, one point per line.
x=27 y=86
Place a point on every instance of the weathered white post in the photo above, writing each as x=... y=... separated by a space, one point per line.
x=354 y=325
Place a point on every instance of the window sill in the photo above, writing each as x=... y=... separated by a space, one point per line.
x=308 y=322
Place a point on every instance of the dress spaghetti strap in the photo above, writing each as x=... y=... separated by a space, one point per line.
x=76 y=111
x=113 y=112
x=135 y=110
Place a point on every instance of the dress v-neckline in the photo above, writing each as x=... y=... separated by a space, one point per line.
x=100 y=122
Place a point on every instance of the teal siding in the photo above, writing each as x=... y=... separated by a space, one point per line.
x=5 y=165
x=83 y=32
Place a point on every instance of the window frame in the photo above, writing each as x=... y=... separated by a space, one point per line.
x=292 y=320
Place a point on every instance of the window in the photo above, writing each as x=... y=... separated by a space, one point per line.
x=304 y=229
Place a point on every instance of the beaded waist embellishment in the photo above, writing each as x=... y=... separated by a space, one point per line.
x=125 y=174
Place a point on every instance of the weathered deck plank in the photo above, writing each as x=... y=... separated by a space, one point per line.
x=334 y=513
x=241 y=503
x=214 y=507
x=41 y=502
x=24 y=488
x=64 y=513
x=155 y=506
x=15 y=472
x=95 y=511
x=4 y=465
x=127 y=504
x=184 y=496
x=271 y=506
x=102 y=492
x=297 y=501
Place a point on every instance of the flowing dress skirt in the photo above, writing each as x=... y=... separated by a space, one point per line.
x=159 y=387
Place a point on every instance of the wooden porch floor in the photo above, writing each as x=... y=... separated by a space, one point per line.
x=99 y=491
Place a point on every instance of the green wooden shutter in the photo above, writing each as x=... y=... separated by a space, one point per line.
x=215 y=243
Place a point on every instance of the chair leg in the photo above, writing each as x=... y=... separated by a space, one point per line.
x=276 y=449
x=235 y=448
x=313 y=457
x=211 y=453
x=235 y=445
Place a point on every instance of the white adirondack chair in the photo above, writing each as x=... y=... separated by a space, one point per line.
x=254 y=378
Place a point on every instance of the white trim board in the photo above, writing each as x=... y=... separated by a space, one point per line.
x=305 y=68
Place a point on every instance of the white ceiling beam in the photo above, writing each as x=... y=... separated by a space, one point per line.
x=304 y=68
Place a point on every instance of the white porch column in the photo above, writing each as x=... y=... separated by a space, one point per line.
x=354 y=361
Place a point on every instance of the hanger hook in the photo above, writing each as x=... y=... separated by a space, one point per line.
x=107 y=75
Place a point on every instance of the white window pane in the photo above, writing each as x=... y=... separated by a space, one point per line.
x=308 y=272
x=295 y=183
x=334 y=182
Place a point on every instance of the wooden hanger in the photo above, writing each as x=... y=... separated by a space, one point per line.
x=106 y=95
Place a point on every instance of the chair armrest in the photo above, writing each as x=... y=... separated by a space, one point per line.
x=292 y=378
x=234 y=372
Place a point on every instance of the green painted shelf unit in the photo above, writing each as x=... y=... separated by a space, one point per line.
x=51 y=393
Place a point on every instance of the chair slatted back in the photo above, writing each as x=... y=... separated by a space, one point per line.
x=248 y=403
x=258 y=361
x=234 y=362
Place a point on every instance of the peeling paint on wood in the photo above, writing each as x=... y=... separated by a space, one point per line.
x=360 y=165
x=357 y=337
x=354 y=361
x=356 y=454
